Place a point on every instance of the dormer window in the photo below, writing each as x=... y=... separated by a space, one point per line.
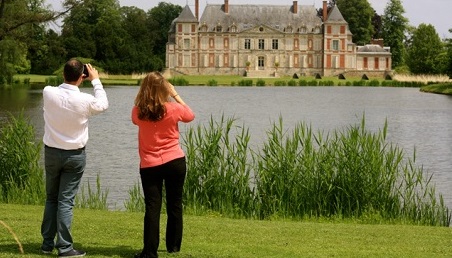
x=289 y=28
x=218 y=28
x=233 y=28
x=303 y=29
x=203 y=27
x=317 y=29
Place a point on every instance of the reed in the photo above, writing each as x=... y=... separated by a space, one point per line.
x=218 y=176
x=21 y=177
x=135 y=203
x=92 y=199
x=422 y=78
x=348 y=173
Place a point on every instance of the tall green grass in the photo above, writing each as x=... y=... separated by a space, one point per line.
x=348 y=173
x=345 y=173
x=21 y=177
x=218 y=177
x=96 y=200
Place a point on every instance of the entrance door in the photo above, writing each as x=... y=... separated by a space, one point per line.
x=260 y=62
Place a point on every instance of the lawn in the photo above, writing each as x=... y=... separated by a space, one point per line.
x=119 y=234
x=225 y=80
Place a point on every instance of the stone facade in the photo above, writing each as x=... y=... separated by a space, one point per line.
x=268 y=40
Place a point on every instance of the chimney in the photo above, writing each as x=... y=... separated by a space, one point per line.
x=379 y=42
x=325 y=11
x=197 y=9
x=295 y=7
x=226 y=6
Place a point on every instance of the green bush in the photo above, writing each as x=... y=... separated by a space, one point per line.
x=374 y=83
x=313 y=83
x=291 y=83
x=280 y=83
x=303 y=83
x=54 y=80
x=245 y=82
x=212 y=82
x=260 y=82
x=179 y=81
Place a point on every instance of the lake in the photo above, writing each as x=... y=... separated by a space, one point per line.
x=420 y=121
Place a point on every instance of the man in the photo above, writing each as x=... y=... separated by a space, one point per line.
x=66 y=113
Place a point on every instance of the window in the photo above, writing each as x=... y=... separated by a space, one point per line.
x=336 y=45
x=211 y=43
x=260 y=62
x=187 y=61
x=186 y=43
x=261 y=44
x=274 y=44
x=247 y=43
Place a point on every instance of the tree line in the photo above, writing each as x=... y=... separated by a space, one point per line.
x=125 y=40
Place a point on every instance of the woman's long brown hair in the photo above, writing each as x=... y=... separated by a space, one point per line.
x=151 y=97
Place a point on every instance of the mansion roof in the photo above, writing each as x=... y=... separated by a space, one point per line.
x=244 y=17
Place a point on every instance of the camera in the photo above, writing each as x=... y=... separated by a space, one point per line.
x=85 y=71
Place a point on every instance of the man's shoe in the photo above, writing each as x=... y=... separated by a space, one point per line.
x=72 y=253
x=46 y=251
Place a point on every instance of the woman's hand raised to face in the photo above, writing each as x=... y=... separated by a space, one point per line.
x=172 y=90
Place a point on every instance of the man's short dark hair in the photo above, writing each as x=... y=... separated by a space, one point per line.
x=73 y=69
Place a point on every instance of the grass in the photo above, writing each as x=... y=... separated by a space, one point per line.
x=347 y=173
x=442 y=88
x=119 y=234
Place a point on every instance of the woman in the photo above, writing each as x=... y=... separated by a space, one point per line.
x=161 y=159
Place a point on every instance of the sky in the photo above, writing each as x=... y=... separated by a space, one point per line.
x=434 y=12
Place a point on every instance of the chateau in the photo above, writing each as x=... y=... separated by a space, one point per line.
x=269 y=40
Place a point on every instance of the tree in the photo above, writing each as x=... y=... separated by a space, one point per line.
x=449 y=55
x=358 y=14
x=46 y=52
x=377 y=24
x=93 y=30
x=138 y=43
x=394 y=29
x=425 y=51
x=14 y=16
x=159 y=23
x=20 y=20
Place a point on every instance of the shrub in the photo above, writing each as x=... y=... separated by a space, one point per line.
x=212 y=82
x=313 y=83
x=280 y=83
x=373 y=83
x=292 y=83
x=179 y=81
x=245 y=82
x=260 y=82
x=303 y=83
